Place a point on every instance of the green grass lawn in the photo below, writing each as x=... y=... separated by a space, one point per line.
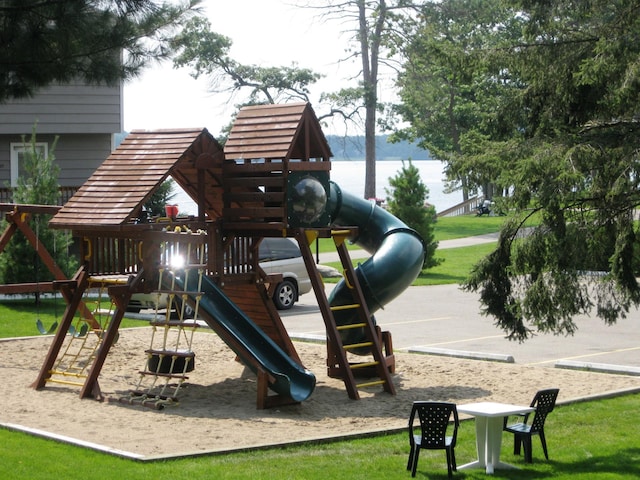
x=446 y=228
x=455 y=266
x=456 y=263
x=590 y=440
x=18 y=317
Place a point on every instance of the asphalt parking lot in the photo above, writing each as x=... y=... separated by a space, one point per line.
x=445 y=320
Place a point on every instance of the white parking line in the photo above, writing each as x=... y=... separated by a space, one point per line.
x=463 y=340
x=589 y=355
x=435 y=319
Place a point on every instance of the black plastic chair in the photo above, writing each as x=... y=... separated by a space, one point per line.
x=543 y=402
x=434 y=419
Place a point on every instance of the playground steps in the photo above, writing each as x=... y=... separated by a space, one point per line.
x=376 y=370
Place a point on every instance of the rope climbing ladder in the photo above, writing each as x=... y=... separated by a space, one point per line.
x=170 y=356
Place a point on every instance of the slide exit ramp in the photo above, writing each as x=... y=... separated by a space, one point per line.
x=249 y=342
x=397 y=256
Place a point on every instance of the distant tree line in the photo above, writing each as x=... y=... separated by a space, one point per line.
x=351 y=148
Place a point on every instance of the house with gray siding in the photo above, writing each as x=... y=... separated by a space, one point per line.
x=84 y=118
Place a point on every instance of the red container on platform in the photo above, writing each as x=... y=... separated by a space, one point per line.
x=171 y=210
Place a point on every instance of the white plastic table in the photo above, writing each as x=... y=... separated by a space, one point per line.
x=489 y=423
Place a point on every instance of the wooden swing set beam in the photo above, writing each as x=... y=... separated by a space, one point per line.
x=18 y=219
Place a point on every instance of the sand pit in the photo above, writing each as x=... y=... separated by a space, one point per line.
x=217 y=410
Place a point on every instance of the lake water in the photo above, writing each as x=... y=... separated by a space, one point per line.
x=350 y=178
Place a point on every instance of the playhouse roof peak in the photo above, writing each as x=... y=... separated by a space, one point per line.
x=289 y=131
x=126 y=180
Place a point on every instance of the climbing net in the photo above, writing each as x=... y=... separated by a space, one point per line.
x=85 y=335
x=170 y=355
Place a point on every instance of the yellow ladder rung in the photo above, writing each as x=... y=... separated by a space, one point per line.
x=65 y=382
x=67 y=373
x=371 y=384
x=357 y=345
x=364 y=365
x=350 y=326
x=345 y=307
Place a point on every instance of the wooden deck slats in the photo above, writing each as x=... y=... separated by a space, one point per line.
x=260 y=151
x=252 y=227
x=254 y=182
x=254 y=213
x=233 y=168
x=252 y=197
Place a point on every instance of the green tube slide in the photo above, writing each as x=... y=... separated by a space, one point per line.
x=397 y=257
x=249 y=342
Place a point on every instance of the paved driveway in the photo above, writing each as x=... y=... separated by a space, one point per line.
x=445 y=318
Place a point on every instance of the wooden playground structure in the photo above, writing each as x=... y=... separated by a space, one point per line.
x=257 y=186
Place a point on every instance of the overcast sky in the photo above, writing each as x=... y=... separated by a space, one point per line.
x=264 y=32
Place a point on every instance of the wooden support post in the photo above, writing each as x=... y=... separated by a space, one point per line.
x=264 y=400
x=121 y=295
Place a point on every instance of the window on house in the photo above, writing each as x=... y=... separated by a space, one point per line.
x=18 y=153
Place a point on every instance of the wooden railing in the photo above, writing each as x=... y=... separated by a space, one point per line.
x=65 y=193
x=463 y=208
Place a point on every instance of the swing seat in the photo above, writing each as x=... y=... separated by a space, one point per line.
x=43 y=330
x=79 y=333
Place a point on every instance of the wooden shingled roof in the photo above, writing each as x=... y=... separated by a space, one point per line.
x=286 y=131
x=125 y=181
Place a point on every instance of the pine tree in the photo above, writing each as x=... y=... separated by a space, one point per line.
x=407 y=200
x=19 y=262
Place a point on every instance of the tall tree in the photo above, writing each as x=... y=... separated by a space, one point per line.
x=373 y=26
x=454 y=96
x=38 y=184
x=575 y=169
x=98 y=41
x=207 y=53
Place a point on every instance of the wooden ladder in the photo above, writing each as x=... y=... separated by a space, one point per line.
x=337 y=359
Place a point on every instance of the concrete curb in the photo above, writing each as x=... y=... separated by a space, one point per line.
x=598 y=367
x=445 y=352
x=308 y=337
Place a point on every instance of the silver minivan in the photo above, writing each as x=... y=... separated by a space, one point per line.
x=276 y=255
x=282 y=255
